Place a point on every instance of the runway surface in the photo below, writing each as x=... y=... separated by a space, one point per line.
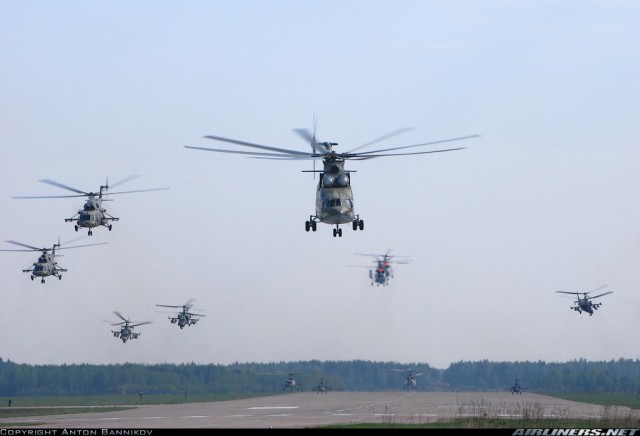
x=310 y=409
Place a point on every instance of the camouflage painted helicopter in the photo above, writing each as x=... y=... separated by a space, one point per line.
x=126 y=330
x=334 y=197
x=93 y=214
x=46 y=265
x=322 y=388
x=584 y=303
x=184 y=317
x=290 y=383
x=410 y=382
x=516 y=388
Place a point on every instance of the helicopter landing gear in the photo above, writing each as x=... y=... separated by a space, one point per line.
x=90 y=233
x=110 y=225
x=76 y=228
x=337 y=231
x=60 y=277
x=42 y=281
x=358 y=224
x=310 y=225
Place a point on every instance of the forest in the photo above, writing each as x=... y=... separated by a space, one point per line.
x=615 y=376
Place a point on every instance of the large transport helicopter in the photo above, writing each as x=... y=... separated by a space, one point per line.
x=93 y=214
x=47 y=265
x=584 y=303
x=383 y=271
x=410 y=381
x=334 y=197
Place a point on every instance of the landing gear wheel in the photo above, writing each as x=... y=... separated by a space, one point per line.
x=307 y=226
x=340 y=232
x=31 y=278
x=335 y=232
x=110 y=227
x=361 y=225
x=60 y=277
x=90 y=233
x=42 y=281
x=355 y=225
x=76 y=228
x=313 y=226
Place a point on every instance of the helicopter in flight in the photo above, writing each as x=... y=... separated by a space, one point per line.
x=334 y=196
x=383 y=270
x=584 y=303
x=47 y=265
x=93 y=214
x=126 y=328
x=410 y=382
x=184 y=317
x=516 y=388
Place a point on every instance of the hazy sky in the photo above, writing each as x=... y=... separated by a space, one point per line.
x=545 y=200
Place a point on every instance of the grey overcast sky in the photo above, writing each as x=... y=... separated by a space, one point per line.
x=545 y=200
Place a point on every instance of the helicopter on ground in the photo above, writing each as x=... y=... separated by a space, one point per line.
x=290 y=383
x=383 y=270
x=410 y=382
x=93 y=214
x=584 y=303
x=126 y=330
x=516 y=388
x=184 y=317
x=334 y=197
x=46 y=265
x=322 y=388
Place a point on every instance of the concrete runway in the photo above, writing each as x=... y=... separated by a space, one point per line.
x=310 y=409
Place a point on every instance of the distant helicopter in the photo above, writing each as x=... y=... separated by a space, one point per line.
x=584 y=303
x=184 y=317
x=322 y=388
x=516 y=388
x=47 y=265
x=290 y=382
x=410 y=382
x=126 y=330
x=383 y=270
x=93 y=214
x=334 y=197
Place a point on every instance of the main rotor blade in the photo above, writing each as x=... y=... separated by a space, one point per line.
x=263 y=147
x=60 y=185
x=119 y=315
x=420 y=145
x=24 y=245
x=85 y=245
x=138 y=190
x=597 y=289
x=140 y=323
x=600 y=295
x=358 y=156
x=305 y=134
x=250 y=153
x=165 y=305
x=125 y=180
x=49 y=196
x=382 y=138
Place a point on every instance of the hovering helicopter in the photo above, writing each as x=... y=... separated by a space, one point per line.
x=93 y=214
x=322 y=388
x=126 y=330
x=383 y=270
x=290 y=382
x=334 y=197
x=584 y=303
x=516 y=388
x=410 y=382
x=184 y=317
x=46 y=264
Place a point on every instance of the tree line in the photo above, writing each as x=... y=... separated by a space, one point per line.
x=614 y=376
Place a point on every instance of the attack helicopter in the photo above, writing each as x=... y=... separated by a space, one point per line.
x=584 y=303
x=334 y=196
x=516 y=388
x=126 y=330
x=93 y=214
x=322 y=388
x=410 y=382
x=184 y=317
x=46 y=265
x=383 y=270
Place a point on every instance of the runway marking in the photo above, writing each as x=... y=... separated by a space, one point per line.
x=273 y=407
x=342 y=414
